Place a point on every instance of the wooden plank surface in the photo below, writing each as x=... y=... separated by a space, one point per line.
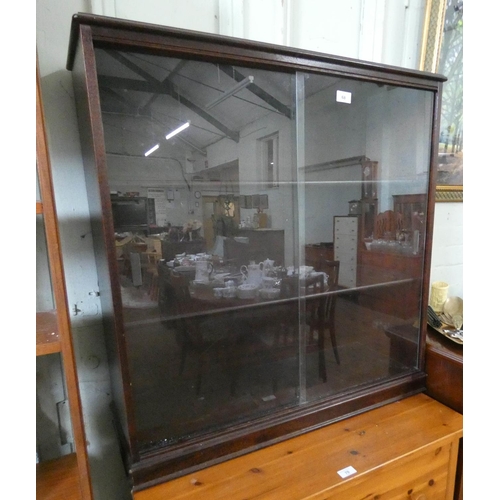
x=418 y=431
x=58 y=479
x=47 y=333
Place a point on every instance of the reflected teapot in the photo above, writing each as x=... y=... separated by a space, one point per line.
x=204 y=270
x=267 y=266
x=253 y=273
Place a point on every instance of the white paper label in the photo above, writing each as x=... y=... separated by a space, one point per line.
x=343 y=96
x=348 y=471
x=268 y=398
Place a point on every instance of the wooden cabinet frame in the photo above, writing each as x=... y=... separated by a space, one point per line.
x=90 y=32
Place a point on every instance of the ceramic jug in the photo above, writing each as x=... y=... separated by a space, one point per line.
x=204 y=269
x=252 y=274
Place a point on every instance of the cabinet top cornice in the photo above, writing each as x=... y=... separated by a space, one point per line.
x=111 y=30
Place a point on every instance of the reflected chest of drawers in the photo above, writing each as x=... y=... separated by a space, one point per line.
x=345 y=244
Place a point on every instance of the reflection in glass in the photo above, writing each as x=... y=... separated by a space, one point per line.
x=270 y=254
x=360 y=157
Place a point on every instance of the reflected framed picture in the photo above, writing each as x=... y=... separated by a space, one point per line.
x=256 y=201
x=442 y=52
x=264 y=201
x=260 y=201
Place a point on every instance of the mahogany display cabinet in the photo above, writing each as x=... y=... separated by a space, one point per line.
x=201 y=375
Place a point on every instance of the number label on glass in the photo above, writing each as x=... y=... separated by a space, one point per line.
x=343 y=96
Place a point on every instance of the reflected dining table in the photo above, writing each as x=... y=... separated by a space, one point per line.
x=311 y=305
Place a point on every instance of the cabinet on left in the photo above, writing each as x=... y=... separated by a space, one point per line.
x=62 y=469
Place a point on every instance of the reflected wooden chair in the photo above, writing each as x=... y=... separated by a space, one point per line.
x=286 y=343
x=151 y=272
x=328 y=320
x=320 y=317
x=202 y=335
x=189 y=328
x=315 y=320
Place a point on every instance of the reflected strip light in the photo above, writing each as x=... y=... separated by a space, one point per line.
x=177 y=130
x=152 y=150
x=239 y=86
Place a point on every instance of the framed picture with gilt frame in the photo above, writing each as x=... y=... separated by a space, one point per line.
x=442 y=52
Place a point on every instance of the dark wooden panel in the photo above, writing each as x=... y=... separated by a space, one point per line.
x=444 y=367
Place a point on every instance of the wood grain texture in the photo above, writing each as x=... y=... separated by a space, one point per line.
x=47 y=333
x=401 y=450
x=58 y=479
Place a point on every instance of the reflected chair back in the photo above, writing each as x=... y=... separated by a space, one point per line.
x=388 y=224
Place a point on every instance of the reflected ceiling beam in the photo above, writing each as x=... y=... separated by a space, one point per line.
x=176 y=70
x=125 y=105
x=153 y=86
x=129 y=108
x=113 y=82
x=258 y=91
x=193 y=146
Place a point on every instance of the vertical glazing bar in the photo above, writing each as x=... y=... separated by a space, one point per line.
x=299 y=218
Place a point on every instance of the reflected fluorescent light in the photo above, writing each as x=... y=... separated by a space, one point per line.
x=152 y=150
x=177 y=130
x=239 y=86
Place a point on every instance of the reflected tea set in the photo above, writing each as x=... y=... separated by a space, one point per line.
x=255 y=279
x=261 y=279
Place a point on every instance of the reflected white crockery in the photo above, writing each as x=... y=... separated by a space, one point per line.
x=247 y=291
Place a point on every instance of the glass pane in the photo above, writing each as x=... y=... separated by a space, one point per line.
x=269 y=236
x=365 y=167
x=201 y=226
